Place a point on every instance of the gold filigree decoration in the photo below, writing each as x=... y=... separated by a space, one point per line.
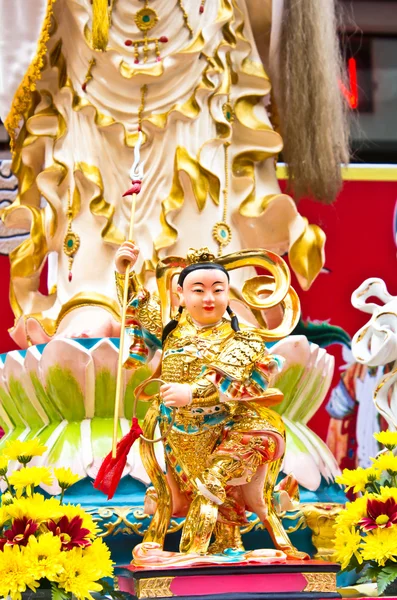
x=320 y=517
x=128 y=72
x=320 y=582
x=257 y=525
x=154 y=587
x=23 y=95
x=146 y=18
x=228 y=112
x=185 y=17
x=122 y=523
x=50 y=326
x=202 y=255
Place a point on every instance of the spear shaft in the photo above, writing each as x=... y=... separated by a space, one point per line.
x=136 y=176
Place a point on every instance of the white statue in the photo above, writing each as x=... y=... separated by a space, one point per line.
x=375 y=344
x=86 y=75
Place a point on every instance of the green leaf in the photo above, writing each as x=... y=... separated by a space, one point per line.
x=370 y=573
x=58 y=594
x=386 y=577
x=107 y=590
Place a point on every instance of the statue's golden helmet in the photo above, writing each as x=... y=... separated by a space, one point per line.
x=259 y=293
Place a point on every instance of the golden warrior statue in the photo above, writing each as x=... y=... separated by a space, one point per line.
x=223 y=444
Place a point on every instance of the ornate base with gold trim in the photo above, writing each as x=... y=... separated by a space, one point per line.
x=287 y=580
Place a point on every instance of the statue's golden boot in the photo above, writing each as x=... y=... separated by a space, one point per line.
x=212 y=481
x=203 y=511
x=227 y=535
x=280 y=537
x=199 y=525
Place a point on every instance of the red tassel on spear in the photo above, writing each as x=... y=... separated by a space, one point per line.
x=113 y=465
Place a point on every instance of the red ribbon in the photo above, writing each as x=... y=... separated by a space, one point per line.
x=109 y=474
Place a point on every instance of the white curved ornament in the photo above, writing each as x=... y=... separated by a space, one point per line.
x=375 y=344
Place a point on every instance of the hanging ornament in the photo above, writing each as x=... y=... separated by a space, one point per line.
x=221 y=231
x=228 y=112
x=145 y=19
x=71 y=242
x=185 y=18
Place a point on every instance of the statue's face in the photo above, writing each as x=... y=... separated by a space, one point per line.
x=205 y=295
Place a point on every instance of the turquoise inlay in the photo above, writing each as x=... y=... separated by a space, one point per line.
x=258 y=378
x=197 y=354
x=70 y=243
x=150 y=340
x=279 y=360
x=138 y=357
x=146 y=18
x=209 y=420
x=21 y=352
x=134 y=331
x=225 y=384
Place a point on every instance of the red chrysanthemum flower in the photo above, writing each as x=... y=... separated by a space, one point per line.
x=380 y=514
x=19 y=533
x=71 y=532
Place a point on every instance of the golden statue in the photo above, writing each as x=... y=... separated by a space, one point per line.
x=223 y=444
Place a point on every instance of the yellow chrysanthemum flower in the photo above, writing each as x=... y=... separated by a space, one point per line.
x=380 y=545
x=387 y=492
x=30 y=477
x=15 y=572
x=78 y=576
x=65 y=477
x=4 y=516
x=356 y=479
x=3 y=465
x=70 y=511
x=37 y=508
x=23 y=452
x=7 y=498
x=347 y=543
x=385 y=462
x=387 y=438
x=99 y=554
x=353 y=512
x=44 y=556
